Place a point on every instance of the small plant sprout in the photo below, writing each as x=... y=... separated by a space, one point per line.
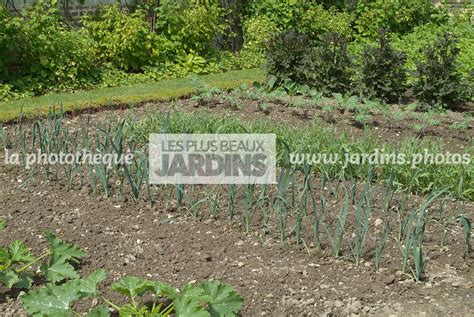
x=264 y=107
x=249 y=206
x=361 y=119
x=232 y=102
x=180 y=194
x=389 y=190
x=328 y=111
x=395 y=118
x=3 y=224
x=346 y=102
x=461 y=127
x=215 y=201
x=231 y=192
x=303 y=104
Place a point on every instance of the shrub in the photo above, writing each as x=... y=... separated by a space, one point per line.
x=413 y=43
x=257 y=33
x=437 y=78
x=125 y=39
x=325 y=66
x=383 y=74
x=307 y=16
x=289 y=57
x=7 y=93
x=316 y=21
x=39 y=53
x=285 y=14
x=191 y=27
x=398 y=16
x=331 y=65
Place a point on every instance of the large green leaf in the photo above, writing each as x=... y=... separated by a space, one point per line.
x=58 y=270
x=101 y=311
x=62 y=252
x=161 y=289
x=63 y=248
x=9 y=278
x=4 y=258
x=133 y=286
x=25 y=281
x=19 y=253
x=191 y=302
x=54 y=300
x=224 y=301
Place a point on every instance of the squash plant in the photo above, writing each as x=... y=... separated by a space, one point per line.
x=65 y=287
x=210 y=298
x=17 y=263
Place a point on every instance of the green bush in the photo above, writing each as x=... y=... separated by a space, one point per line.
x=424 y=35
x=306 y=16
x=191 y=27
x=383 y=73
x=7 y=92
x=316 y=21
x=124 y=39
x=437 y=78
x=285 y=14
x=39 y=53
x=257 y=32
x=397 y=16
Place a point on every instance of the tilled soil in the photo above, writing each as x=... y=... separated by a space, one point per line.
x=126 y=238
x=161 y=242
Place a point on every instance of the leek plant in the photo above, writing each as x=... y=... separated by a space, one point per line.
x=380 y=246
x=340 y=226
x=231 y=193
x=467 y=231
x=361 y=228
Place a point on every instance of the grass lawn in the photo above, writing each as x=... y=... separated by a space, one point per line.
x=128 y=95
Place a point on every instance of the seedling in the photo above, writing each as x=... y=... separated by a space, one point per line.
x=304 y=104
x=329 y=116
x=232 y=102
x=249 y=206
x=264 y=107
x=346 y=102
x=461 y=127
x=361 y=119
x=231 y=192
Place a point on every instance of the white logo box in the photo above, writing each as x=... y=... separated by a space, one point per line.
x=212 y=158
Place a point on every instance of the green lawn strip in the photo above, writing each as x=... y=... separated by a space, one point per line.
x=128 y=96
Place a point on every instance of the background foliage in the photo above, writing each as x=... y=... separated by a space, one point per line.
x=40 y=52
